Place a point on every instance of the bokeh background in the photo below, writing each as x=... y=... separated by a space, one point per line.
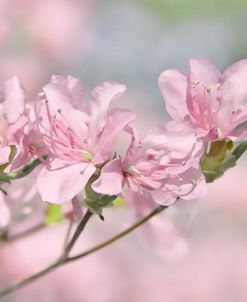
x=199 y=254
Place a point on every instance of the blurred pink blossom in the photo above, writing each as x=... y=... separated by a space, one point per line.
x=12 y=116
x=21 y=206
x=40 y=36
x=213 y=271
x=162 y=236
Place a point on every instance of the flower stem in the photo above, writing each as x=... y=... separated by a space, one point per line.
x=118 y=236
x=77 y=233
x=24 y=171
x=68 y=232
x=66 y=259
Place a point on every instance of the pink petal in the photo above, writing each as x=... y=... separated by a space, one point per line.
x=160 y=232
x=102 y=96
x=66 y=89
x=134 y=143
x=234 y=68
x=110 y=181
x=117 y=120
x=62 y=181
x=31 y=139
x=174 y=137
x=72 y=119
x=202 y=75
x=142 y=204
x=164 y=239
x=173 y=85
x=62 y=106
x=234 y=96
x=164 y=198
x=189 y=185
x=12 y=100
x=202 y=70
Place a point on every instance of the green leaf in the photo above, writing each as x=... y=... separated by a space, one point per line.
x=54 y=214
x=94 y=201
x=97 y=204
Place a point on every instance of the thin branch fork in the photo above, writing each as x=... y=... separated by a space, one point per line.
x=65 y=258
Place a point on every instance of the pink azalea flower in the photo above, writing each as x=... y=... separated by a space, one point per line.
x=78 y=138
x=162 y=166
x=12 y=117
x=30 y=146
x=211 y=102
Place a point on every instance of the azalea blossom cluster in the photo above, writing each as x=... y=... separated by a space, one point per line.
x=70 y=144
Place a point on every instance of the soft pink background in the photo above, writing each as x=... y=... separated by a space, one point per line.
x=131 y=42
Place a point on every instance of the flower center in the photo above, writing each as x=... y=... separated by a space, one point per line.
x=86 y=155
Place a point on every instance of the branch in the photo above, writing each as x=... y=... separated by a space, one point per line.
x=68 y=232
x=118 y=236
x=31 y=279
x=24 y=171
x=65 y=259
x=77 y=233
